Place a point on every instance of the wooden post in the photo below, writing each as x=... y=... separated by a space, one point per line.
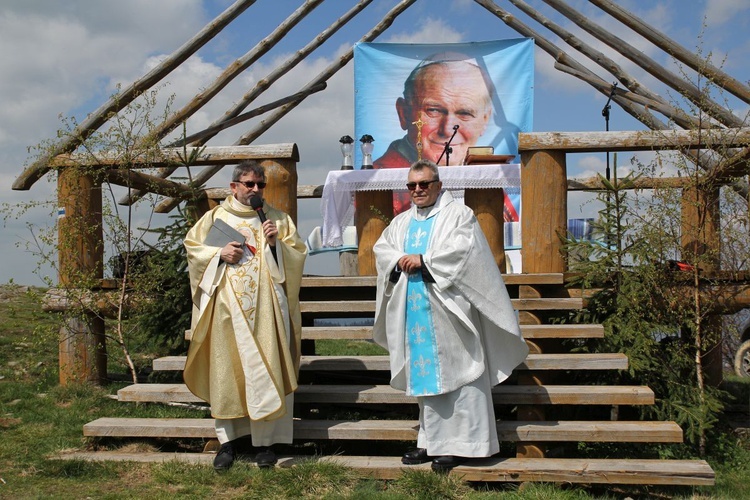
x=544 y=205
x=348 y=263
x=370 y=225
x=700 y=240
x=281 y=191
x=487 y=205
x=81 y=261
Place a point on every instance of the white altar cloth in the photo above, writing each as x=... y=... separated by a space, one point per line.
x=337 y=202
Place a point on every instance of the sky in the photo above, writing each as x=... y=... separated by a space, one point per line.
x=61 y=60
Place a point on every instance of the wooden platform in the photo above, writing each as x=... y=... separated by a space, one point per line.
x=384 y=394
x=398 y=430
x=534 y=398
x=564 y=331
x=380 y=363
x=551 y=470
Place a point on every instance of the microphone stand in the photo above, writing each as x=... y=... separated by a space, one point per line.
x=447 y=150
x=605 y=114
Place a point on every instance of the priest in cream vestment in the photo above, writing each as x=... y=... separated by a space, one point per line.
x=245 y=347
x=445 y=316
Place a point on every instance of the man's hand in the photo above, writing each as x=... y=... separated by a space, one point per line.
x=271 y=231
x=410 y=263
x=232 y=252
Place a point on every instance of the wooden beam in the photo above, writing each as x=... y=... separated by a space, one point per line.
x=117 y=102
x=641 y=140
x=596 y=361
x=657 y=37
x=282 y=69
x=677 y=82
x=384 y=394
x=249 y=136
x=402 y=430
x=595 y=183
x=606 y=471
x=638 y=92
x=138 y=180
x=232 y=71
x=207 y=155
x=229 y=122
x=544 y=187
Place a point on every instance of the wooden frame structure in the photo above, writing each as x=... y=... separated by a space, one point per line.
x=544 y=177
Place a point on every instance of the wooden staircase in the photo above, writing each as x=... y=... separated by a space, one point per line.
x=336 y=383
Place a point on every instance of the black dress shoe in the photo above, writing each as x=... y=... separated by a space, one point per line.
x=446 y=463
x=225 y=457
x=414 y=457
x=266 y=458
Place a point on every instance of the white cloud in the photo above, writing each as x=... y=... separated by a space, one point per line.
x=718 y=12
x=56 y=59
x=430 y=30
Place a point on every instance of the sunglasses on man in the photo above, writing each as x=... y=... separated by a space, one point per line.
x=411 y=186
x=251 y=184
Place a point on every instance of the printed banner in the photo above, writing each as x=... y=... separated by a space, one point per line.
x=412 y=99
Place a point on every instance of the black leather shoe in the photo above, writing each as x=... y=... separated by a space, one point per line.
x=225 y=457
x=446 y=463
x=414 y=457
x=266 y=458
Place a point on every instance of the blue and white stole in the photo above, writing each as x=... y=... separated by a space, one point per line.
x=424 y=365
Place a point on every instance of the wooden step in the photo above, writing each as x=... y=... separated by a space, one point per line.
x=565 y=331
x=575 y=361
x=370 y=281
x=368 y=306
x=550 y=470
x=384 y=394
x=399 y=430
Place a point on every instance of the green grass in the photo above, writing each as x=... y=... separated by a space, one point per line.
x=39 y=419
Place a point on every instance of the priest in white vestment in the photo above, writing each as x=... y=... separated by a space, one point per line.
x=246 y=330
x=445 y=316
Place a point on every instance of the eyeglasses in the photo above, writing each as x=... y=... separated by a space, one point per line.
x=251 y=184
x=411 y=186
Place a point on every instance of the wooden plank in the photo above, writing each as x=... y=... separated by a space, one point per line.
x=368 y=306
x=203 y=156
x=547 y=304
x=399 y=430
x=338 y=281
x=347 y=281
x=640 y=140
x=494 y=469
x=336 y=306
x=384 y=394
x=337 y=333
x=565 y=331
x=586 y=361
x=594 y=361
x=562 y=331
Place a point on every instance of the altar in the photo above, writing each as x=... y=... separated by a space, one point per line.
x=371 y=191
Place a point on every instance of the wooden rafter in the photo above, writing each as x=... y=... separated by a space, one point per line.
x=70 y=142
x=632 y=96
x=690 y=91
x=250 y=136
x=232 y=115
x=677 y=51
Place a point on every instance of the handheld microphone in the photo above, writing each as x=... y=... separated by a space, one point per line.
x=455 y=127
x=256 y=202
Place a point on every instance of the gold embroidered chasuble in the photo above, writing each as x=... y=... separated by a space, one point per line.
x=245 y=347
